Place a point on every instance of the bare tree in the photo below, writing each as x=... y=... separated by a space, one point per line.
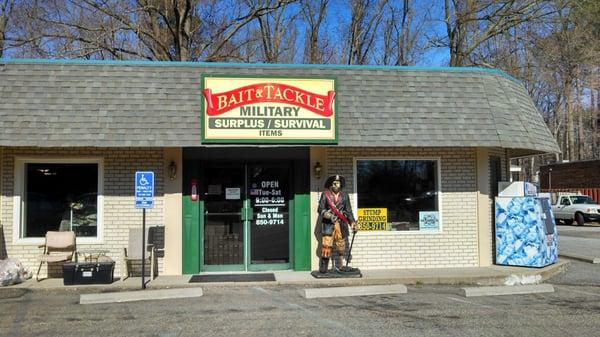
x=314 y=13
x=6 y=7
x=277 y=32
x=572 y=54
x=403 y=33
x=172 y=30
x=470 y=23
x=364 y=29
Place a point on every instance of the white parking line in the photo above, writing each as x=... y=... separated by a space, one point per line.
x=469 y=302
x=261 y=290
x=309 y=315
x=386 y=289
x=508 y=290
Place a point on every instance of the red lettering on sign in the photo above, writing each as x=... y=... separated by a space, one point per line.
x=222 y=102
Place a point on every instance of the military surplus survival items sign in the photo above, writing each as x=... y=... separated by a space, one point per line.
x=268 y=110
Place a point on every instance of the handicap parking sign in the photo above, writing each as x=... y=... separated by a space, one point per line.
x=144 y=189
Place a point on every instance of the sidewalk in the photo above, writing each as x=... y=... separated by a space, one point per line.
x=494 y=275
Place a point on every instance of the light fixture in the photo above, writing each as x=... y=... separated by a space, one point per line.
x=172 y=170
x=318 y=168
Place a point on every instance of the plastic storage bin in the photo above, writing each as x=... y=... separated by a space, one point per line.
x=88 y=272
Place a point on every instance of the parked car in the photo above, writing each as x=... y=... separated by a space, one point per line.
x=575 y=207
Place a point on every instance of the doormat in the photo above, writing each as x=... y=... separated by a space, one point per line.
x=233 y=278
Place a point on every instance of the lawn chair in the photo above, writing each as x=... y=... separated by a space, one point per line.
x=133 y=253
x=58 y=247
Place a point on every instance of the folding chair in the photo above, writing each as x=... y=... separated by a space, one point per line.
x=58 y=247
x=133 y=253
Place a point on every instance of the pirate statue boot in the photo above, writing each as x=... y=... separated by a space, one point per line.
x=323 y=264
x=338 y=264
x=340 y=268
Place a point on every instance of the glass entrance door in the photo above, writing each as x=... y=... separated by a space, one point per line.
x=246 y=216
x=224 y=230
x=269 y=228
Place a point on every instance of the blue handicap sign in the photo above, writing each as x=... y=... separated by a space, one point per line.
x=144 y=189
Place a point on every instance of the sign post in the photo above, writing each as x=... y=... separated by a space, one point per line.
x=144 y=198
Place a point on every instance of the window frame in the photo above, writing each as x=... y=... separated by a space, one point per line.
x=438 y=162
x=19 y=203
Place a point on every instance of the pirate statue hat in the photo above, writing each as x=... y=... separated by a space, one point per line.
x=333 y=178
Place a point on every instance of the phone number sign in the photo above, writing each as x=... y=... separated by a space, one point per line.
x=372 y=219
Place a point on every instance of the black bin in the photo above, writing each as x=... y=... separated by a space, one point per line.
x=88 y=273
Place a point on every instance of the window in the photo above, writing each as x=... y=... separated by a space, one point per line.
x=59 y=195
x=582 y=199
x=403 y=192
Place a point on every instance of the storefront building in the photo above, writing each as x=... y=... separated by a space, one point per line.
x=240 y=154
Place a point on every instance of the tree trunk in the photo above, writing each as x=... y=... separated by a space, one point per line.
x=6 y=7
x=570 y=130
x=596 y=118
x=182 y=28
x=314 y=14
x=581 y=142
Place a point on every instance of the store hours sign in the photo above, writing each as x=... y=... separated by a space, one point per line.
x=268 y=110
x=269 y=203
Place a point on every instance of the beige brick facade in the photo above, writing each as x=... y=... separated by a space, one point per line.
x=457 y=243
x=119 y=214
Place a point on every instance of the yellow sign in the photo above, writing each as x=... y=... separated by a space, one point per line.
x=271 y=110
x=372 y=219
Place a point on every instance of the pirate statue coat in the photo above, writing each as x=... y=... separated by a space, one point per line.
x=335 y=215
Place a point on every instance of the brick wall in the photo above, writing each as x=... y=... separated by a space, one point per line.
x=581 y=174
x=120 y=165
x=503 y=155
x=455 y=246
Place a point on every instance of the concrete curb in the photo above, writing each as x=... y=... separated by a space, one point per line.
x=507 y=290
x=559 y=267
x=584 y=258
x=355 y=291
x=518 y=277
x=490 y=276
x=141 y=295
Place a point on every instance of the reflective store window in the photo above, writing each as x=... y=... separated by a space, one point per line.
x=405 y=190
x=60 y=197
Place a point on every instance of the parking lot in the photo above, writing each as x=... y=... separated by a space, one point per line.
x=426 y=310
x=580 y=242
x=281 y=311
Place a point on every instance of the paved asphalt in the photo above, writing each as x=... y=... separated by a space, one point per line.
x=589 y=231
x=281 y=311
x=583 y=241
x=572 y=310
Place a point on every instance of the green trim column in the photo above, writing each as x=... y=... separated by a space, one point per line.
x=191 y=244
x=301 y=235
x=301 y=242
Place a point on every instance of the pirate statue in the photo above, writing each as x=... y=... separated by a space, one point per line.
x=335 y=216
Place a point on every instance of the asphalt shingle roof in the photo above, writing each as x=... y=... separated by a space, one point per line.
x=114 y=104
